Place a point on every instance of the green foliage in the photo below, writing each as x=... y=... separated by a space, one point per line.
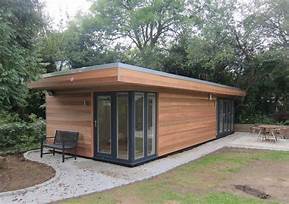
x=79 y=45
x=145 y=23
x=244 y=44
x=35 y=104
x=148 y=57
x=20 y=23
x=253 y=118
x=17 y=135
x=128 y=31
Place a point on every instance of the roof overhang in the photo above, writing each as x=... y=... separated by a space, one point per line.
x=124 y=74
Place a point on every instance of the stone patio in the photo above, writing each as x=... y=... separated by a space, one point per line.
x=82 y=176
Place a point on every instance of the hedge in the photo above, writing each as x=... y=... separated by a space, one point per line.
x=19 y=136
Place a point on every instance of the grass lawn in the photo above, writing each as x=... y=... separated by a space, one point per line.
x=211 y=179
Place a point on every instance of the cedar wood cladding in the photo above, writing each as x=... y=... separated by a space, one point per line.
x=68 y=112
x=184 y=120
x=186 y=116
x=122 y=74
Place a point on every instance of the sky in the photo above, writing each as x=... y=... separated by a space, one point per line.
x=60 y=11
x=64 y=9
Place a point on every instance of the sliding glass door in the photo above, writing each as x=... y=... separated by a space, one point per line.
x=225 y=117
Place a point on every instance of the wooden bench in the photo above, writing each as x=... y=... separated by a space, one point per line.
x=63 y=140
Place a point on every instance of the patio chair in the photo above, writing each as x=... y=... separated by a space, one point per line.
x=63 y=140
x=264 y=134
x=284 y=133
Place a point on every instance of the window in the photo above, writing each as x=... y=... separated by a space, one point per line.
x=139 y=125
x=151 y=123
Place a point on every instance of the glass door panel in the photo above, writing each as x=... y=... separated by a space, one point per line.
x=232 y=115
x=122 y=126
x=139 y=125
x=151 y=124
x=104 y=124
x=221 y=116
x=225 y=116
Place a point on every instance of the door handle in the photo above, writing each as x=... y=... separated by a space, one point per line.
x=95 y=124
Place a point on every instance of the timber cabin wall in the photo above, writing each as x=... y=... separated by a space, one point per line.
x=184 y=120
x=72 y=112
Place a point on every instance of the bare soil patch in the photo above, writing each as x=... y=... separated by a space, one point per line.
x=16 y=173
x=252 y=191
x=268 y=177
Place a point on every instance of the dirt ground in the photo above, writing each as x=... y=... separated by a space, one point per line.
x=17 y=173
x=270 y=177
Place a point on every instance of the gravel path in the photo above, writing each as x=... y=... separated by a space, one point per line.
x=82 y=176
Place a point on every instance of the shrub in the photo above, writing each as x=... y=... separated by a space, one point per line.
x=256 y=119
x=21 y=135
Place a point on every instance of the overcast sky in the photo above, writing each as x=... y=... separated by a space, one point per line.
x=64 y=9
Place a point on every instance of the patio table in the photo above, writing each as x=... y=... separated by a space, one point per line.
x=268 y=132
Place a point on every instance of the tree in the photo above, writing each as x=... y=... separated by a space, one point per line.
x=225 y=41
x=129 y=31
x=51 y=50
x=77 y=46
x=145 y=23
x=20 y=24
x=272 y=16
x=235 y=51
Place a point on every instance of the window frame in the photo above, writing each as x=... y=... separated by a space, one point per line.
x=113 y=157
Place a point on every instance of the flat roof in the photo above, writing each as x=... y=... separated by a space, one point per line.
x=131 y=67
x=170 y=80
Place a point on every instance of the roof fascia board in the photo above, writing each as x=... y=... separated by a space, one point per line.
x=137 y=69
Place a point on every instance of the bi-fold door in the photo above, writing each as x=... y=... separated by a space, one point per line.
x=225 y=117
x=125 y=127
x=111 y=126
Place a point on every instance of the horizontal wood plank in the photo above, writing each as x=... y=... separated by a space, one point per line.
x=69 y=112
x=149 y=79
x=184 y=120
x=119 y=76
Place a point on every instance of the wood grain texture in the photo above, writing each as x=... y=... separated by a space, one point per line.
x=184 y=120
x=68 y=112
x=149 y=79
x=119 y=76
x=87 y=79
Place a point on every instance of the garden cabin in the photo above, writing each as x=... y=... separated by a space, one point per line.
x=130 y=115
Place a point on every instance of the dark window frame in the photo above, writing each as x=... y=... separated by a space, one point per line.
x=117 y=136
x=227 y=118
x=131 y=109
